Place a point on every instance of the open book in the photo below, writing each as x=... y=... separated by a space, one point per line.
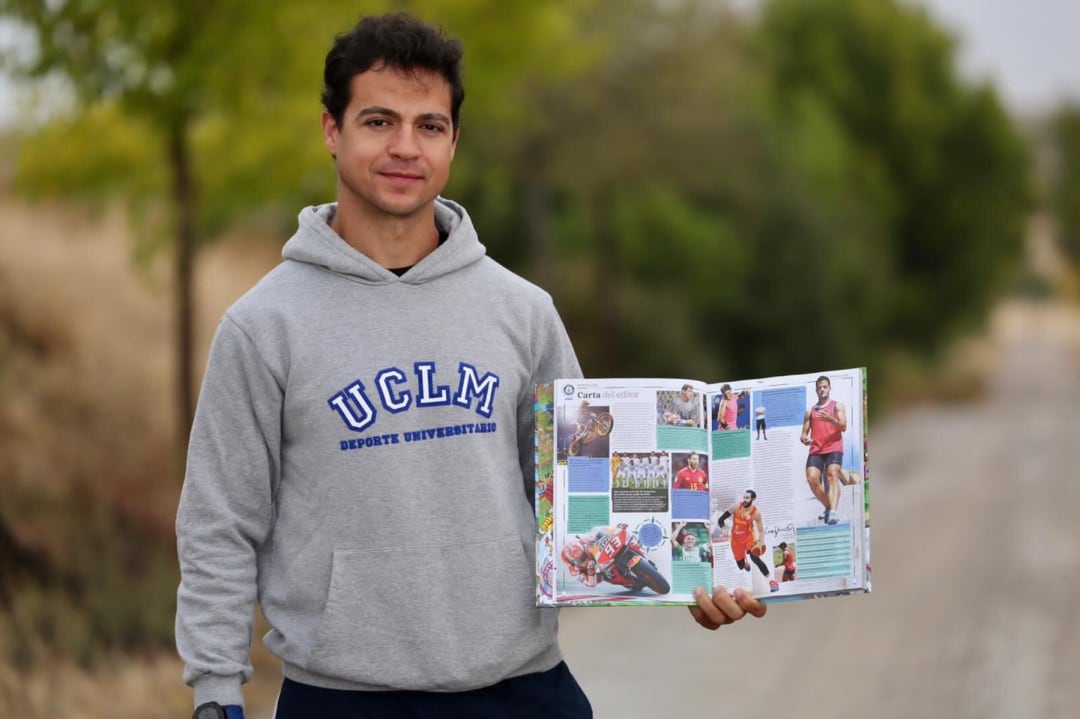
x=648 y=488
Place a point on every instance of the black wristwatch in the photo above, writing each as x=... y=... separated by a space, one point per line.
x=209 y=710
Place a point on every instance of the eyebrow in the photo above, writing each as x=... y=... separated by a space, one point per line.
x=423 y=117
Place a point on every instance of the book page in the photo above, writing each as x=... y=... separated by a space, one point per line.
x=634 y=475
x=785 y=450
x=621 y=457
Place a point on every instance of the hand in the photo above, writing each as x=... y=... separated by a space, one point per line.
x=805 y=440
x=721 y=608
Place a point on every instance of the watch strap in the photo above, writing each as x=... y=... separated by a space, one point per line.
x=210 y=710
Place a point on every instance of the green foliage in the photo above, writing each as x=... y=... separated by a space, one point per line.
x=704 y=194
x=96 y=159
x=138 y=73
x=690 y=211
x=510 y=48
x=948 y=169
x=1066 y=189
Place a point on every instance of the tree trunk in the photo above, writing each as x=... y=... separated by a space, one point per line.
x=183 y=192
x=537 y=209
x=609 y=280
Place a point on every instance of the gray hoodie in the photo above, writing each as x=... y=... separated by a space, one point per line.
x=361 y=463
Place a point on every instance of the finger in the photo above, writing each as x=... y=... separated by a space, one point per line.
x=702 y=619
x=706 y=612
x=727 y=604
x=750 y=605
x=718 y=610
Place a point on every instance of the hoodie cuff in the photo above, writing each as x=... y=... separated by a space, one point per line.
x=221 y=689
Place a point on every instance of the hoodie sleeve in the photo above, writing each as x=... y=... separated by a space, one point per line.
x=554 y=359
x=225 y=513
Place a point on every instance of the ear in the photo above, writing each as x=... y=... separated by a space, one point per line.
x=330 y=133
x=453 y=145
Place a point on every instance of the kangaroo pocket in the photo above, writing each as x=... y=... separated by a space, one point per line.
x=436 y=618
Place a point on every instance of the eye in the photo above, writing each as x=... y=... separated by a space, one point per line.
x=378 y=122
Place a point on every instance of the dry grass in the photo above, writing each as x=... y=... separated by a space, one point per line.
x=88 y=480
x=121 y=687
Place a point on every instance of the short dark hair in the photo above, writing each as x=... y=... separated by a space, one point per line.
x=783 y=545
x=395 y=40
x=822 y=378
x=752 y=493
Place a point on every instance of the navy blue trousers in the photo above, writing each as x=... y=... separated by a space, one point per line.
x=553 y=694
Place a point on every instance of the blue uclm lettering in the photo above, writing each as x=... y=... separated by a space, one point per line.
x=391 y=386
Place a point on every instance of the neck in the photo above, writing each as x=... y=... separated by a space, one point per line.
x=390 y=240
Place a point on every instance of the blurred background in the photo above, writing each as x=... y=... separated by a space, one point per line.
x=714 y=189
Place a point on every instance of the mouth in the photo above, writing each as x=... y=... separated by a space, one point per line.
x=403 y=177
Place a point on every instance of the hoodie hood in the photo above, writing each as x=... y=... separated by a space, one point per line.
x=315 y=243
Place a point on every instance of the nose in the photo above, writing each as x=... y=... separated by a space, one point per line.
x=405 y=143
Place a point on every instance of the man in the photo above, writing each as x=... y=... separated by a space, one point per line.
x=747 y=530
x=579 y=560
x=616 y=468
x=788 y=563
x=823 y=425
x=583 y=420
x=381 y=376
x=691 y=476
x=582 y=424
x=728 y=411
x=685 y=547
x=685 y=409
x=652 y=472
x=759 y=422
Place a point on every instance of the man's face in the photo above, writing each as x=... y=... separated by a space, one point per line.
x=822 y=388
x=693 y=461
x=689 y=540
x=687 y=393
x=395 y=142
x=747 y=500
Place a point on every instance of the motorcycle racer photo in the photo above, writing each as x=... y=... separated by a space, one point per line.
x=614 y=555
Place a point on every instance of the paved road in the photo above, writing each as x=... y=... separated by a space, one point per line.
x=976 y=603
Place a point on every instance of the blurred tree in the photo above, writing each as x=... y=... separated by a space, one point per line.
x=147 y=85
x=691 y=215
x=565 y=188
x=209 y=110
x=1066 y=184
x=940 y=160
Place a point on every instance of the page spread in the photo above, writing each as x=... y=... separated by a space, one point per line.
x=648 y=488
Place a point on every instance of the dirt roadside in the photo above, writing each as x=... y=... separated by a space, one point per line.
x=976 y=575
